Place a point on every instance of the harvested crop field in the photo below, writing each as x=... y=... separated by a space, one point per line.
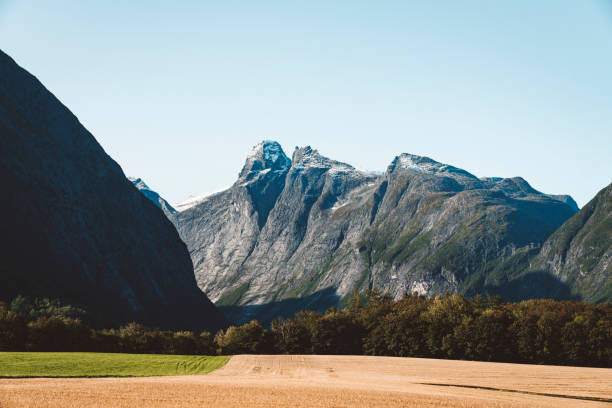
x=329 y=381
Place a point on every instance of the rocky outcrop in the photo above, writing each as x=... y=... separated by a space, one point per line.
x=315 y=229
x=74 y=228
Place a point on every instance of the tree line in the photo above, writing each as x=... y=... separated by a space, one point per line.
x=47 y=325
x=448 y=326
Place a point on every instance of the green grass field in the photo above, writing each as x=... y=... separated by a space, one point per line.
x=104 y=364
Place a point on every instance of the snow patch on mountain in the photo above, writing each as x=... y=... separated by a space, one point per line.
x=192 y=201
x=307 y=157
x=422 y=164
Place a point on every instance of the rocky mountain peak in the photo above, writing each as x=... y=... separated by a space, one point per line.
x=139 y=183
x=422 y=164
x=307 y=157
x=265 y=156
x=152 y=195
x=304 y=154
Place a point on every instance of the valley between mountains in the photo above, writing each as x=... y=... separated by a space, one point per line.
x=307 y=281
x=294 y=232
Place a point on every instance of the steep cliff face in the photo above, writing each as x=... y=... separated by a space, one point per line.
x=76 y=229
x=306 y=232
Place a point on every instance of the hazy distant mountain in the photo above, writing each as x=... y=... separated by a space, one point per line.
x=74 y=228
x=306 y=231
x=152 y=195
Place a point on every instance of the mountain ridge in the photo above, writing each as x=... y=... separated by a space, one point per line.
x=294 y=230
x=407 y=161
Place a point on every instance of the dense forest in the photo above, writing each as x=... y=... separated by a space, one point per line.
x=449 y=326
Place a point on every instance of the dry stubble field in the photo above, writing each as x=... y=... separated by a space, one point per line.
x=329 y=381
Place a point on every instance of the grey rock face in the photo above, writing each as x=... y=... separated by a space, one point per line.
x=76 y=229
x=315 y=229
x=152 y=195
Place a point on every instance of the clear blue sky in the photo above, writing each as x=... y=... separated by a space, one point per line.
x=179 y=92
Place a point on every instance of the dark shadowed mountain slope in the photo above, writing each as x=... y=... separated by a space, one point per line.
x=574 y=262
x=315 y=229
x=74 y=228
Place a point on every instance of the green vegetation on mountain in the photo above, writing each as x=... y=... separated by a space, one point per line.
x=233 y=296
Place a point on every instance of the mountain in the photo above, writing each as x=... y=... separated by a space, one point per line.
x=152 y=195
x=75 y=229
x=306 y=232
x=575 y=262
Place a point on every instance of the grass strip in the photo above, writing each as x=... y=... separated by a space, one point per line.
x=32 y=364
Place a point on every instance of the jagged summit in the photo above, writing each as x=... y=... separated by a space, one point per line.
x=266 y=155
